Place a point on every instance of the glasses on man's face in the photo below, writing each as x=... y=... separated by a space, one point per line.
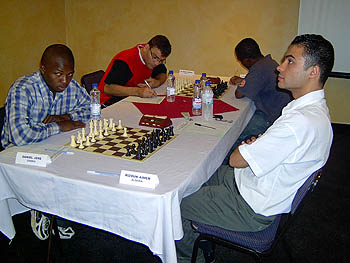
x=155 y=57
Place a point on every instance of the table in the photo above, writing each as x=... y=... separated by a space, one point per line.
x=148 y=216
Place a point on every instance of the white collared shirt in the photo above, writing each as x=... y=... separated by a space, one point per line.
x=280 y=161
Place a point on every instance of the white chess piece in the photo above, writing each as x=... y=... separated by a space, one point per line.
x=83 y=137
x=78 y=137
x=106 y=131
x=72 y=141
x=113 y=127
x=87 y=143
x=110 y=123
x=125 y=134
x=95 y=129
x=93 y=138
x=100 y=134
x=120 y=125
x=81 y=146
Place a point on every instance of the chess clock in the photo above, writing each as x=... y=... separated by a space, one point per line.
x=155 y=121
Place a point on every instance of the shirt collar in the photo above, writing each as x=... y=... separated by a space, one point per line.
x=139 y=48
x=309 y=98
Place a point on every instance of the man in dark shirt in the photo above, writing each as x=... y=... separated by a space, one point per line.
x=259 y=85
x=129 y=69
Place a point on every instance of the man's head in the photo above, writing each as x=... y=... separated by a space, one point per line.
x=307 y=64
x=157 y=49
x=248 y=52
x=57 y=67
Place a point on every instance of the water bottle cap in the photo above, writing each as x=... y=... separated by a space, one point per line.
x=207 y=83
x=197 y=81
x=94 y=85
x=171 y=72
x=204 y=74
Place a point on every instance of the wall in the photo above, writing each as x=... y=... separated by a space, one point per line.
x=203 y=33
x=27 y=28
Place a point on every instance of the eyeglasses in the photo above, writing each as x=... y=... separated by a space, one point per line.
x=155 y=57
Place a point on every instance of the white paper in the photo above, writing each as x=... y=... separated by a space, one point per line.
x=33 y=159
x=138 y=179
x=153 y=100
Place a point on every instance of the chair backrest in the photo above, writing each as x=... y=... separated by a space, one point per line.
x=88 y=79
x=2 y=116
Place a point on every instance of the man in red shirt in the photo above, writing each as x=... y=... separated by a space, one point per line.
x=128 y=70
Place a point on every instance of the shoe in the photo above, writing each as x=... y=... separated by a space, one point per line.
x=65 y=232
x=40 y=224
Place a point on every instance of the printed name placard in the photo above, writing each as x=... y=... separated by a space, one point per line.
x=185 y=72
x=138 y=179
x=33 y=159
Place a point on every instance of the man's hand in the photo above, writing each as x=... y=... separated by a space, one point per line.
x=235 y=80
x=56 y=118
x=251 y=140
x=69 y=125
x=146 y=92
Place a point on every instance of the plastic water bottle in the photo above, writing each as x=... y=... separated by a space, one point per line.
x=170 y=87
x=203 y=80
x=95 y=106
x=207 y=102
x=197 y=99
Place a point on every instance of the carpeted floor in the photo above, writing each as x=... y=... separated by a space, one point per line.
x=319 y=234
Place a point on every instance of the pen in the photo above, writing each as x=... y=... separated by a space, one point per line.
x=198 y=124
x=147 y=84
x=101 y=173
x=59 y=151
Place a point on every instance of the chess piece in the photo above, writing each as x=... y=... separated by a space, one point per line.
x=120 y=125
x=125 y=134
x=113 y=127
x=110 y=123
x=81 y=146
x=72 y=141
x=93 y=138
x=87 y=143
x=100 y=136
x=128 y=153
x=106 y=131
x=83 y=137
x=95 y=129
x=78 y=137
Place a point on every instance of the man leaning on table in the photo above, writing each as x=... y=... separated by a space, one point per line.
x=265 y=173
x=43 y=104
x=128 y=70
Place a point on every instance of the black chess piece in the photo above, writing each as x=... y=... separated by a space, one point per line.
x=138 y=153
x=133 y=150
x=128 y=151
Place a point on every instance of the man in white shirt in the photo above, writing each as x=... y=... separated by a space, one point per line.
x=266 y=173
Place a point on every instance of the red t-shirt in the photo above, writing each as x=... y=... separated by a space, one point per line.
x=139 y=71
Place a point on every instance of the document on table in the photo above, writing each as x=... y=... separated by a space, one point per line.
x=212 y=128
x=153 y=100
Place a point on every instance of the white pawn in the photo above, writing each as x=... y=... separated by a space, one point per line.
x=93 y=138
x=106 y=131
x=125 y=134
x=72 y=141
x=113 y=127
x=87 y=143
x=81 y=146
x=100 y=135
x=120 y=125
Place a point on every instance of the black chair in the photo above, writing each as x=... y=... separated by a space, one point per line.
x=88 y=79
x=2 y=117
x=258 y=244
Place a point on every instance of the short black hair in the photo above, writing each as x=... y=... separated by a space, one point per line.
x=162 y=43
x=317 y=51
x=57 y=50
x=247 y=48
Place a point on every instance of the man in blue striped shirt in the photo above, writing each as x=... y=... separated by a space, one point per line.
x=43 y=104
x=46 y=102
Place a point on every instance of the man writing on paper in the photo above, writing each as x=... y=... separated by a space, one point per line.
x=265 y=174
x=129 y=69
x=43 y=104
x=259 y=85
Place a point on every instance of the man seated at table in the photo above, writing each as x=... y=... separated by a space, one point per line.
x=43 y=104
x=259 y=85
x=265 y=174
x=128 y=70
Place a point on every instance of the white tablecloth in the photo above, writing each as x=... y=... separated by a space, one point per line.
x=151 y=217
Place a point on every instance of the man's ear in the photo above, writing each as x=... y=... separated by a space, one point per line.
x=42 y=68
x=315 y=71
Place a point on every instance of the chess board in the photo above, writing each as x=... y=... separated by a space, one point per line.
x=187 y=90
x=115 y=145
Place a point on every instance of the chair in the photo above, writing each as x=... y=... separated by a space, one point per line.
x=2 y=116
x=261 y=243
x=88 y=79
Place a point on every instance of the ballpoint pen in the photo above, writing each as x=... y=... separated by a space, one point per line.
x=101 y=173
x=59 y=151
x=198 y=124
x=147 y=84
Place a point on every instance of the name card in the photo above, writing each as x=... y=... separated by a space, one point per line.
x=33 y=159
x=185 y=72
x=138 y=179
